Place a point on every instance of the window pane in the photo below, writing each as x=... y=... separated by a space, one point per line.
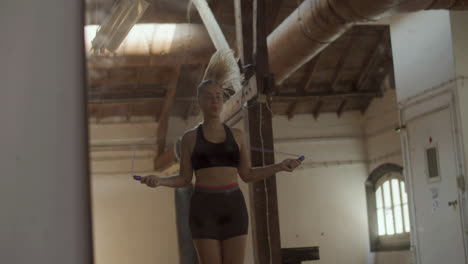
x=381 y=221
x=386 y=192
x=389 y=221
x=396 y=192
x=398 y=220
x=403 y=192
x=406 y=215
x=378 y=198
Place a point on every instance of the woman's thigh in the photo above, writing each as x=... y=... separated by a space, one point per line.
x=233 y=250
x=208 y=251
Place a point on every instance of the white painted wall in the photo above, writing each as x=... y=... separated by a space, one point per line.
x=422 y=51
x=429 y=48
x=382 y=141
x=324 y=206
x=383 y=146
x=44 y=187
x=132 y=223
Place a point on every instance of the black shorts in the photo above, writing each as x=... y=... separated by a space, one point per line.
x=218 y=213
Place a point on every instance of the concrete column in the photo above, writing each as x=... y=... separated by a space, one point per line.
x=44 y=186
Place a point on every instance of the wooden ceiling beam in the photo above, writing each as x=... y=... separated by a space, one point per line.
x=341 y=108
x=118 y=89
x=301 y=89
x=327 y=94
x=217 y=7
x=279 y=97
x=372 y=60
x=292 y=109
x=318 y=106
x=139 y=72
x=387 y=72
x=100 y=97
x=212 y=26
x=341 y=62
x=108 y=62
x=156 y=100
x=366 y=106
x=129 y=112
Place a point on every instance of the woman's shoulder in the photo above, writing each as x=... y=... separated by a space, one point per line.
x=189 y=135
x=189 y=138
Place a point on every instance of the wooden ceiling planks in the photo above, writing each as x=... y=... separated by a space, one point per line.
x=332 y=82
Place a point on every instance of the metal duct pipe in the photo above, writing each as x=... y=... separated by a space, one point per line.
x=317 y=23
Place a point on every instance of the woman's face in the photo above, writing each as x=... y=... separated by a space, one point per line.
x=211 y=99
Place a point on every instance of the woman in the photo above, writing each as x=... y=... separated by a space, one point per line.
x=217 y=154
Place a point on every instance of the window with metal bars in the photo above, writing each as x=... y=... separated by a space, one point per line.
x=392 y=206
x=387 y=200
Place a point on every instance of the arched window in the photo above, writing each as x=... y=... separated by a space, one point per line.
x=389 y=223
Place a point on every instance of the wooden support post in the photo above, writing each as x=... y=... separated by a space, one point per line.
x=260 y=48
x=263 y=194
x=263 y=197
x=273 y=9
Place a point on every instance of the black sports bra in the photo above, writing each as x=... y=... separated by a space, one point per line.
x=207 y=154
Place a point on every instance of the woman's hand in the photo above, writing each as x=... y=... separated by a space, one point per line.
x=290 y=164
x=150 y=180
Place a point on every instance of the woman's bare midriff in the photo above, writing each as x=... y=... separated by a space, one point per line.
x=216 y=176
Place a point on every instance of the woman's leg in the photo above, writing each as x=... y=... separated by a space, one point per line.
x=208 y=251
x=233 y=250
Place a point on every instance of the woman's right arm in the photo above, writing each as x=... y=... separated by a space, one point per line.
x=179 y=180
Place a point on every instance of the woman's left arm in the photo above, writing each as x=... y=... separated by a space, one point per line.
x=249 y=174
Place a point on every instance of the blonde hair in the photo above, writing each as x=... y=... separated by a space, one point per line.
x=224 y=71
